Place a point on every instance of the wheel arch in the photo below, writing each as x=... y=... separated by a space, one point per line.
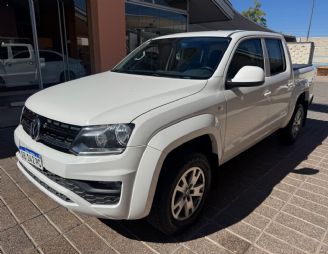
x=187 y=134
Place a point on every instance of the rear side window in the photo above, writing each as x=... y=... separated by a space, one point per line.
x=20 y=52
x=276 y=56
x=248 y=53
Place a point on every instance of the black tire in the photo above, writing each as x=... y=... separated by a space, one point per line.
x=161 y=215
x=289 y=134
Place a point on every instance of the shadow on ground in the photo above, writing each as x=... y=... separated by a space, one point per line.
x=322 y=108
x=240 y=186
x=7 y=144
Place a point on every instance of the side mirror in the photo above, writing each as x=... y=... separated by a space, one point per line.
x=247 y=76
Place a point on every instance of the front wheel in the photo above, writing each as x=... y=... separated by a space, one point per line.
x=290 y=133
x=182 y=189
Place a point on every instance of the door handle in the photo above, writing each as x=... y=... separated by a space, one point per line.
x=267 y=93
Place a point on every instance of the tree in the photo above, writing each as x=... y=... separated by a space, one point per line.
x=256 y=14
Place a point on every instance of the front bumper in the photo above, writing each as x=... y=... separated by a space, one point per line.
x=114 y=168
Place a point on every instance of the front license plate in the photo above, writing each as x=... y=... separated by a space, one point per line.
x=31 y=157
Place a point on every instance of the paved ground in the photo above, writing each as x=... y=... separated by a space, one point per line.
x=271 y=199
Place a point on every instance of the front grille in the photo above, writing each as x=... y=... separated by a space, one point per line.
x=47 y=187
x=54 y=134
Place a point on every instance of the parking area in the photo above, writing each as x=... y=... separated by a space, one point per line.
x=270 y=199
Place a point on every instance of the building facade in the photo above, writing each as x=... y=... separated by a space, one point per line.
x=46 y=42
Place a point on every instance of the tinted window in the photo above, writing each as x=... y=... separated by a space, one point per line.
x=276 y=56
x=248 y=53
x=194 y=57
x=145 y=22
x=3 y=53
x=50 y=56
x=180 y=4
x=20 y=52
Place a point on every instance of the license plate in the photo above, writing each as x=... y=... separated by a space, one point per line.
x=31 y=157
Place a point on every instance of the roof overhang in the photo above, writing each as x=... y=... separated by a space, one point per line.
x=239 y=22
x=202 y=11
x=208 y=15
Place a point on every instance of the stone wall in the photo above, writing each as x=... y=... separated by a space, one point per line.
x=320 y=57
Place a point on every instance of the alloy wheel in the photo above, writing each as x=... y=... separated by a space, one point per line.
x=298 y=121
x=188 y=193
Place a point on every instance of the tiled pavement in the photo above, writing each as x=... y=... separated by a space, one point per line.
x=271 y=199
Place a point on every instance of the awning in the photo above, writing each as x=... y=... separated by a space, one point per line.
x=209 y=15
x=202 y=11
x=239 y=22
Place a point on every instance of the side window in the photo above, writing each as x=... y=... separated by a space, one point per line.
x=20 y=52
x=50 y=56
x=276 y=56
x=248 y=53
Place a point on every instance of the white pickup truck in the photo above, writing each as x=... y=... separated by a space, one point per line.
x=143 y=139
x=18 y=66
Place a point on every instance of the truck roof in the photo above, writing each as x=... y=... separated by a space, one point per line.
x=221 y=33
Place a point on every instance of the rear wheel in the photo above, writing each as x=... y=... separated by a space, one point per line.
x=290 y=133
x=182 y=189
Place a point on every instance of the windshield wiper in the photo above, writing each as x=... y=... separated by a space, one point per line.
x=138 y=72
x=157 y=74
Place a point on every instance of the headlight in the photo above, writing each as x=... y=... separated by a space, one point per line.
x=105 y=139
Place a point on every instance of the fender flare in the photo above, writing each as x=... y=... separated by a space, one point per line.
x=159 y=146
x=293 y=103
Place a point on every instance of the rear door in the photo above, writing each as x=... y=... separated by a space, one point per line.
x=247 y=107
x=279 y=80
x=53 y=69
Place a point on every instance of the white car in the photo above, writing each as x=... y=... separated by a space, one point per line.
x=143 y=139
x=18 y=66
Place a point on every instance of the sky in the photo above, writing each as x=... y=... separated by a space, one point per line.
x=292 y=16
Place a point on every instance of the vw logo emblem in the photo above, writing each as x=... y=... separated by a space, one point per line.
x=35 y=128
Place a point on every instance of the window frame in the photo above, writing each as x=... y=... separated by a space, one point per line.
x=268 y=57
x=241 y=40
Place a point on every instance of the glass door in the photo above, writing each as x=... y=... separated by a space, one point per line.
x=42 y=43
x=19 y=76
x=60 y=47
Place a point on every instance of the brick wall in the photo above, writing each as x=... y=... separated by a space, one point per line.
x=321 y=49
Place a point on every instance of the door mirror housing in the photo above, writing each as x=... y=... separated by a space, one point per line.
x=247 y=76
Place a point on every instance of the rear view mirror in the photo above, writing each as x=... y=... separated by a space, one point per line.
x=247 y=76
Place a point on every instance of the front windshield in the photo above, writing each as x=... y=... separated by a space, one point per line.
x=185 y=57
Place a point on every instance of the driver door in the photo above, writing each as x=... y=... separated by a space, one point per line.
x=247 y=107
x=21 y=67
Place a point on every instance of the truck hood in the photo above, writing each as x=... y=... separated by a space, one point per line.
x=109 y=97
